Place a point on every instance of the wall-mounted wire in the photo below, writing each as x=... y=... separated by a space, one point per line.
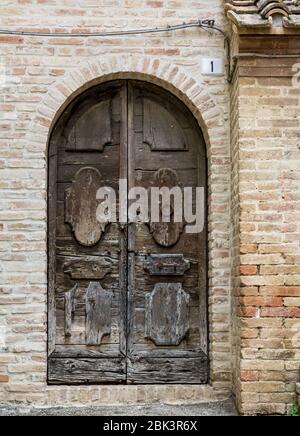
x=169 y=28
x=208 y=24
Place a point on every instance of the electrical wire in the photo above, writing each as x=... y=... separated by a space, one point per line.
x=209 y=24
x=267 y=56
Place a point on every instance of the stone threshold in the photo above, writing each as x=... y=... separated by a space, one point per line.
x=218 y=408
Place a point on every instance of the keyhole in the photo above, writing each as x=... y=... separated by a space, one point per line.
x=212 y=66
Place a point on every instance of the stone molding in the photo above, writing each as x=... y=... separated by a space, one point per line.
x=264 y=13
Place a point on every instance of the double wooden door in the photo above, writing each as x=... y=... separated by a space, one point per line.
x=127 y=302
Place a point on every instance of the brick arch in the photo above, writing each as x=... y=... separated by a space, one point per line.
x=169 y=76
x=194 y=94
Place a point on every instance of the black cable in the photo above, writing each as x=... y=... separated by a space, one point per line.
x=208 y=24
x=198 y=23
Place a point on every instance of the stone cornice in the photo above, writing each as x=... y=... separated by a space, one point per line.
x=264 y=14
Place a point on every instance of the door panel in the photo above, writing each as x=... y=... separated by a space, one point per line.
x=166 y=334
x=86 y=371
x=88 y=311
x=127 y=303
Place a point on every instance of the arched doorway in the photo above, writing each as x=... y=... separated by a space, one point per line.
x=127 y=301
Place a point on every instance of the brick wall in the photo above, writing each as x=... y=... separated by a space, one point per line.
x=235 y=223
x=41 y=77
x=253 y=189
x=269 y=179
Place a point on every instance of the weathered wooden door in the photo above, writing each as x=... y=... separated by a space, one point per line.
x=127 y=302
